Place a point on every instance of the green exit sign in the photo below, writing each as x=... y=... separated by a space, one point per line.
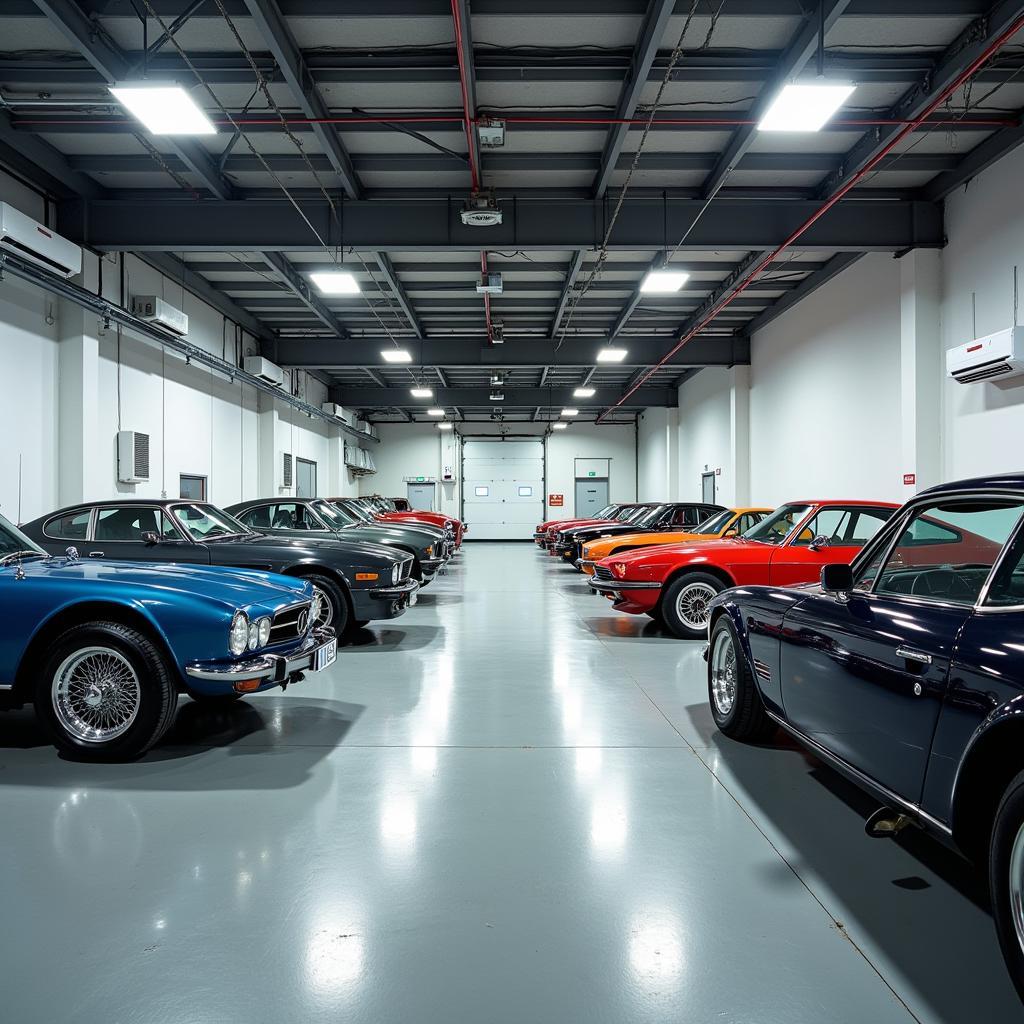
x=420 y=479
x=592 y=473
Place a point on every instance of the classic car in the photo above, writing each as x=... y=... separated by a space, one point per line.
x=357 y=582
x=315 y=517
x=905 y=671
x=602 y=515
x=562 y=545
x=675 y=583
x=385 y=509
x=102 y=649
x=729 y=523
x=369 y=512
x=622 y=514
x=667 y=516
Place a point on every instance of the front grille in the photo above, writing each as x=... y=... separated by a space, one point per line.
x=286 y=624
x=406 y=570
x=602 y=572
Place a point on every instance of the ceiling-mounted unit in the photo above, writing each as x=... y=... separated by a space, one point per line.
x=37 y=244
x=267 y=371
x=491 y=131
x=338 y=412
x=497 y=332
x=481 y=209
x=132 y=457
x=497 y=396
x=997 y=358
x=489 y=284
x=154 y=310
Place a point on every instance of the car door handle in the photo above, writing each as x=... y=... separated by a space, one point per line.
x=97 y=554
x=909 y=655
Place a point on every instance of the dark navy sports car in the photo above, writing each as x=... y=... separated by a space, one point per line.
x=102 y=649
x=905 y=671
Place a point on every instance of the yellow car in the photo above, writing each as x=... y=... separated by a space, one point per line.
x=730 y=523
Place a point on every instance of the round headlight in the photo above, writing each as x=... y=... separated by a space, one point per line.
x=396 y=571
x=254 y=636
x=264 y=631
x=239 y=639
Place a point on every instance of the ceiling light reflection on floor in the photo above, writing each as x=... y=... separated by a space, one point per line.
x=655 y=950
x=609 y=826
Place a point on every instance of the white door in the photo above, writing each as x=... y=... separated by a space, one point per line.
x=503 y=488
x=421 y=497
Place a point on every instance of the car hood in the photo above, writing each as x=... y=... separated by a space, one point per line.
x=353 y=549
x=661 y=539
x=235 y=587
x=700 y=550
x=571 y=524
x=595 y=530
x=385 y=534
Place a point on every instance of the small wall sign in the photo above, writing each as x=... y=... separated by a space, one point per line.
x=909 y=479
x=556 y=500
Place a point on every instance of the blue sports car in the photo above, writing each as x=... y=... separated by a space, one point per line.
x=103 y=649
x=905 y=671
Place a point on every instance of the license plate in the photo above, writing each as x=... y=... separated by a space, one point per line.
x=326 y=656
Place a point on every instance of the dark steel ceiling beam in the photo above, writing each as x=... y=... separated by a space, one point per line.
x=303 y=291
x=986 y=153
x=515 y=397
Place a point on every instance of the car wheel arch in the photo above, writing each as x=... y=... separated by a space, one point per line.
x=991 y=763
x=710 y=570
x=82 y=613
x=304 y=569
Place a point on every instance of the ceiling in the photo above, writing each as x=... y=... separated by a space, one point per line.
x=342 y=127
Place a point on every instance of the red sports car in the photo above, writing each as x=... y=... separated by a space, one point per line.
x=541 y=533
x=622 y=514
x=675 y=583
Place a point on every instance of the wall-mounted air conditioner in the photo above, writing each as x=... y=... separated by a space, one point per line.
x=154 y=310
x=339 y=413
x=132 y=457
x=37 y=244
x=267 y=371
x=997 y=358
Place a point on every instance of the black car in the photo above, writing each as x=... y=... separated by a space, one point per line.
x=315 y=517
x=356 y=582
x=905 y=671
x=673 y=515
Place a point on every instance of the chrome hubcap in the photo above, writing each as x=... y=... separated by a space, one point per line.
x=723 y=673
x=1017 y=886
x=96 y=694
x=692 y=605
x=323 y=602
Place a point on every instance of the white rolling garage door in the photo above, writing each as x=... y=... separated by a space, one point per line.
x=503 y=488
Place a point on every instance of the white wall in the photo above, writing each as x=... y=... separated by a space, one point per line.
x=658 y=455
x=420 y=449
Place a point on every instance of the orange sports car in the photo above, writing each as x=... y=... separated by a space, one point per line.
x=730 y=523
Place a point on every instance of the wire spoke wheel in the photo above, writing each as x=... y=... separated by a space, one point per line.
x=96 y=694
x=1016 y=889
x=723 y=673
x=692 y=604
x=323 y=610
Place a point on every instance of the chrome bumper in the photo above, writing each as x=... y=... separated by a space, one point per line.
x=616 y=586
x=584 y=563
x=432 y=565
x=276 y=667
x=406 y=588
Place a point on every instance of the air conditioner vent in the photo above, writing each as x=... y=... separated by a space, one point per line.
x=286 y=469
x=998 y=358
x=132 y=457
x=37 y=244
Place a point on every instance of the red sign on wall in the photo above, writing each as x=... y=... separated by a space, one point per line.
x=909 y=479
x=556 y=500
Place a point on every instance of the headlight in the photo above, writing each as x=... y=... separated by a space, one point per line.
x=239 y=639
x=396 y=572
x=264 y=631
x=254 y=636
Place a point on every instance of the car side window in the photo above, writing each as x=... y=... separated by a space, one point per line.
x=132 y=522
x=257 y=518
x=1007 y=588
x=925 y=563
x=829 y=522
x=74 y=526
x=284 y=516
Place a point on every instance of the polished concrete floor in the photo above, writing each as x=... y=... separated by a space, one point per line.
x=509 y=805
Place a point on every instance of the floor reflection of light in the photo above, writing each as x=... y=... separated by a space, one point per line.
x=588 y=762
x=398 y=822
x=609 y=826
x=655 y=950
x=335 y=957
x=424 y=759
x=572 y=710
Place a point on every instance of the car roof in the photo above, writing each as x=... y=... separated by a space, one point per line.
x=751 y=508
x=1001 y=482
x=853 y=502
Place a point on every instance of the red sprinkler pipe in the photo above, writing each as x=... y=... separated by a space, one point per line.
x=727 y=300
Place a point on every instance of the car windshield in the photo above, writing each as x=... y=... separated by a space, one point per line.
x=331 y=514
x=206 y=522
x=650 y=516
x=359 y=511
x=13 y=541
x=715 y=525
x=606 y=512
x=630 y=513
x=778 y=526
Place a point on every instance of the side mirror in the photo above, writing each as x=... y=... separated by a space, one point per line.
x=150 y=538
x=733 y=531
x=837 y=578
x=819 y=542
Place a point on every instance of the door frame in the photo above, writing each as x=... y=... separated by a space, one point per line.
x=704 y=476
x=589 y=479
x=463 y=438
x=423 y=483
x=316 y=477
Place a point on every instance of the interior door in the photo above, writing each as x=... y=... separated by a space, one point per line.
x=865 y=674
x=503 y=487
x=707 y=488
x=421 y=497
x=591 y=497
x=305 y=479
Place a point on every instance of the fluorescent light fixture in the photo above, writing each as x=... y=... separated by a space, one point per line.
x=559 y=426
x=396 y=355
x=421 y=392
x=584 y=393
x=804 y=106
x=611 y=355
x=163 y=107
x=664 y=282
x=570 y=412
x=335 y=282
x=444 y=426
x=435 y=412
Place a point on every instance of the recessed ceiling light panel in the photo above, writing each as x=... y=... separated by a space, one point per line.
x=663 y=282
x=163 y=107
x=611 y=355
x=421 y=392
x=584 y=393
x=805 y=106
x=335 y=282
x=559 y=426
x=435 y=412
x=396 y=355
x=570 y=412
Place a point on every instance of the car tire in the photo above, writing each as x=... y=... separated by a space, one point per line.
x=655 y=614
x=112 y=664
x=1006 y=879
x=684 y=602
x=337 y=601
x=735 y=700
